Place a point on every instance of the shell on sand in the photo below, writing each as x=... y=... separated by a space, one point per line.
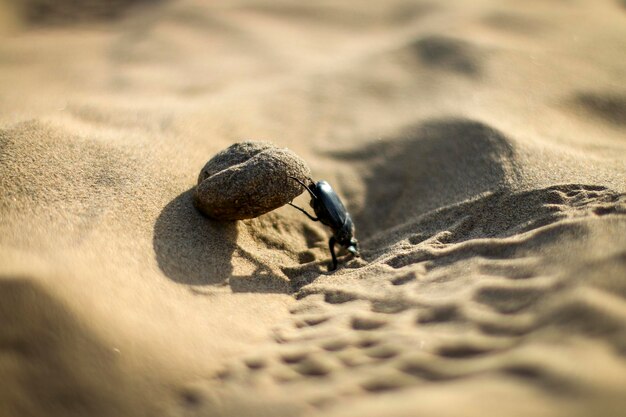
x=249 y=179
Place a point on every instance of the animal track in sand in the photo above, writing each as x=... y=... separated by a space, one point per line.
x=457 y=306
x=484 y=235
x=508 y=300
x=367 y=323
x=439 y=314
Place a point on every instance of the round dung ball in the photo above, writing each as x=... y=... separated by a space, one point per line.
x=249 y=179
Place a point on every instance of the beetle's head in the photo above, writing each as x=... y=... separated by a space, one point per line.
x=353 y=247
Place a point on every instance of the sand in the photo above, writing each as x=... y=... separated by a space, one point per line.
x=479 y=146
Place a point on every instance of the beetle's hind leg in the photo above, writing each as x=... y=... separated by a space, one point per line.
x=331 y=246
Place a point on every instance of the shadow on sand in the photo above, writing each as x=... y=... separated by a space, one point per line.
x=194 y=250
x=190 y=248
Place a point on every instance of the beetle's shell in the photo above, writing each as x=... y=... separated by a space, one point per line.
x=249 y=179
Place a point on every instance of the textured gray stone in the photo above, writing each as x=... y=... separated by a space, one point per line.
x=249 y=179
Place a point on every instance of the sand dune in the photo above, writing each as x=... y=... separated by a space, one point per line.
x=479 y=147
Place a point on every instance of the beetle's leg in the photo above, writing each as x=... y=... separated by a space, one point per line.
x=331 y=246
x=313 y=196
x=315 y=219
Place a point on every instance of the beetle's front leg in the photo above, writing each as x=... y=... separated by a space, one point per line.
x=331 y=246
x=315 y=219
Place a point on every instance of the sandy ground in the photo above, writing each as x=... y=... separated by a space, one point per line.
x=479 y=145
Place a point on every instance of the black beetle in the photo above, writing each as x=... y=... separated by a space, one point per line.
x=331 y=212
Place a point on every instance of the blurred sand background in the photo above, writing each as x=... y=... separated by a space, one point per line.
x=479 y=145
